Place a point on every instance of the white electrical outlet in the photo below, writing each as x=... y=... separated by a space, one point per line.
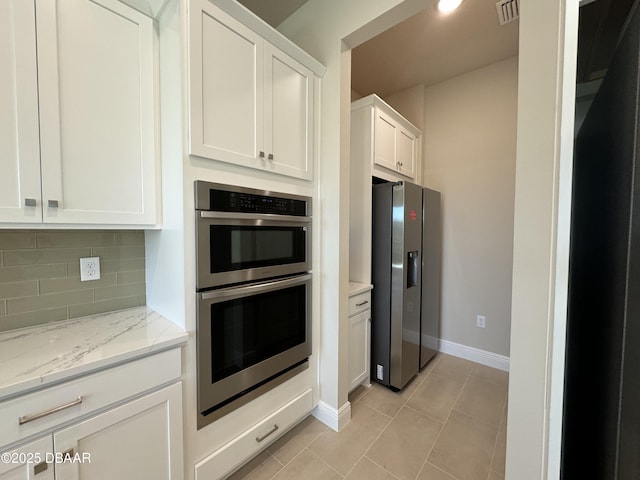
x=480 y=321
x=89 y=269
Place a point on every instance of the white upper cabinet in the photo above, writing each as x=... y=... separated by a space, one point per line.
x=19 y=142
x=384 y=136
x=288 y=113
x=94 y=104
x=249 y=103
x=97 y=122
x=226 y=92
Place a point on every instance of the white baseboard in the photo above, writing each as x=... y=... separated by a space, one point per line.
x=335 y=419
x=475 y=355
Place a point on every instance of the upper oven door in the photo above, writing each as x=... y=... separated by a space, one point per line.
x=241 y=247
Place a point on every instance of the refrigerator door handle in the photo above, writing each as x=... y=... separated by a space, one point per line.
x=413 y=268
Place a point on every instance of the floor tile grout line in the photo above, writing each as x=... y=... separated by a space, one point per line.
x=426 y=415
x=317 y=435
x=405 y=400
x=483 y=421
x=322 y=460
x=283 y=465
x=444 y=424
x=274 y=457
x=364 y=457
x=440 y=469
x=380 y=412
x=449 y=379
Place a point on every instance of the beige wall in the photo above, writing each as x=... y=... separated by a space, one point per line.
x=409 y=103
x=40 y=274
x=470 y=156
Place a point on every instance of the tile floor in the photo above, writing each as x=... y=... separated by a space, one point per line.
x=449 y=423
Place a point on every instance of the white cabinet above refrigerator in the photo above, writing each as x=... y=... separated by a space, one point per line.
x=386 y=138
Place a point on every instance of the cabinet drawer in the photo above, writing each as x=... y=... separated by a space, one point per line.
x=359 y=303
x=233 y=454
x=49 y=408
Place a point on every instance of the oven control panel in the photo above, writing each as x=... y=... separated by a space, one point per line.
x=248 y=203
x=225 y=198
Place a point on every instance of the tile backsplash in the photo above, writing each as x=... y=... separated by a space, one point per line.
x=40 y=274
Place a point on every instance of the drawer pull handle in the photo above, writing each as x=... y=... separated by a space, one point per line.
x=30 y=202
x=270 y=432
x=40 y=467
x=53 y=204
x=68 y=455
x=36 y=416
x=362 y=303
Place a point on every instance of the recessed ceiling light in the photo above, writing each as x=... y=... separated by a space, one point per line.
x=448 y=6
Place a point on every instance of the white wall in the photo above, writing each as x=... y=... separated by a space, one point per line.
x=546 y=92
x=470 y=156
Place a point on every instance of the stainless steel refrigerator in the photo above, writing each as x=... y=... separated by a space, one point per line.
x=406 y=277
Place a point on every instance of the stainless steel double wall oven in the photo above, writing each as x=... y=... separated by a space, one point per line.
x=253 y=293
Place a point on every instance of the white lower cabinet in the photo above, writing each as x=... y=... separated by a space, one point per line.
x=138 y=440
x=359 y=339
x=232 y=455
x=28 y=462
x=134 y=436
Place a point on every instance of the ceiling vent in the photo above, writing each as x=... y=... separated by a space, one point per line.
x=508 y=10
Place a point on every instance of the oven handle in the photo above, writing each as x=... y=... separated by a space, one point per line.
x=255 y=288
x=254 y=216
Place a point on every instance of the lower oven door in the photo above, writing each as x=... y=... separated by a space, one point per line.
x=248 y=335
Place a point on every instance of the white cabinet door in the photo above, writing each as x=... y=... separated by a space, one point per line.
x=19 y=142
x=406 y=153
x=28 y=462
x=226 y=87
x=385 y=149
x=96 y=85
x=288 y=114
x=140 y=440
x=249 y=103
x=359 y=348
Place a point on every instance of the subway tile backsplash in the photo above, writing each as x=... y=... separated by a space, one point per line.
x=40 y=274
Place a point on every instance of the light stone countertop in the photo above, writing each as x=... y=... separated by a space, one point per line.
x=356 y=288
x=40 y=356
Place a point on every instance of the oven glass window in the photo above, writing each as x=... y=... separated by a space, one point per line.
x=242 y=247
x=251 y=329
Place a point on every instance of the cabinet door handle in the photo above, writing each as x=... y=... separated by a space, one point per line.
x=52 y=203
x=270 y=432
x=270 y=156
x=261 y=154
x=68 y=454
x=36 y=416
x=362 y=303
x=30 y=202
x=40 y=467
